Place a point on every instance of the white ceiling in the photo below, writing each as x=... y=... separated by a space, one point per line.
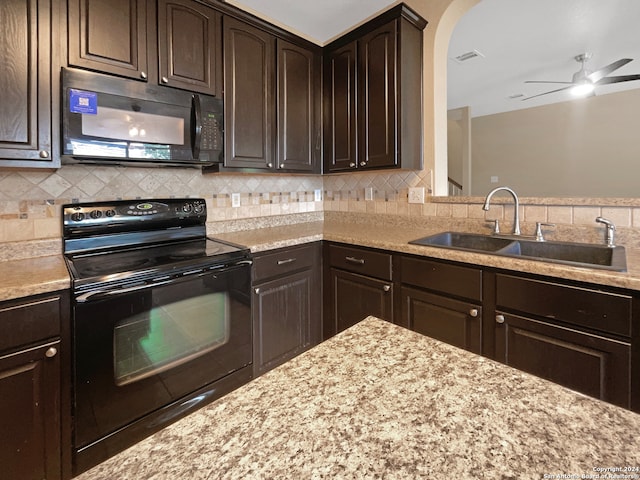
x=537 y=40
x=319 y=21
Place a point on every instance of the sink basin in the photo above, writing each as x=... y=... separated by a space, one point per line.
x=577 y=254
x=583 y=254
x=464 y=241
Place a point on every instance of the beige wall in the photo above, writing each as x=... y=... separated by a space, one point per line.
x=581 y=148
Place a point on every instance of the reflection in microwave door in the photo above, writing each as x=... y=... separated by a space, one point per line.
x=123 y=125
x=95 y=148
x=145 y=150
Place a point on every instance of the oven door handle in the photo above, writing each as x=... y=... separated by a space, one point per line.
x=85 y=297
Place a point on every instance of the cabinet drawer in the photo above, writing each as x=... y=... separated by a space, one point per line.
x=442 y=277
x=29 y=321
x=605 y=311
x=283 y=261
x=358 y=260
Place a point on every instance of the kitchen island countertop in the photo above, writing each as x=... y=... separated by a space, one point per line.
x=380 y=401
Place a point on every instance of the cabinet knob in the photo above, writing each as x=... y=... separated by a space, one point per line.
x=386 y=288
x=363 y=164
x=44 y=154
x=499 y=318
x=281 y=165
x=143 y=75
x=270 y=165
x=473 y=312
x=51 y=352
x=352 y=164
x=164 y=80
x=257 y=290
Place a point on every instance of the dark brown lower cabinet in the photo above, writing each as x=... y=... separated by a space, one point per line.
x=286 y=308
x=446 y=319
x=585 y=362
x=358 y=283
x=30 y=413
x=356 y=297
x=35 y=377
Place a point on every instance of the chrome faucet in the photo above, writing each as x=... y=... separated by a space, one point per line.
x=609 y=235
x=516 y=213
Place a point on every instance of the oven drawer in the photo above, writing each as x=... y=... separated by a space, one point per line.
x=283 y=261
x=23 y=322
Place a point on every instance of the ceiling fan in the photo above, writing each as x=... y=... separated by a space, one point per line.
x=584 y=81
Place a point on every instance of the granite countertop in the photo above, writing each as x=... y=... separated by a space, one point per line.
x=31 y=276
x=46 y=271
x=380 y=401
x=395 y=235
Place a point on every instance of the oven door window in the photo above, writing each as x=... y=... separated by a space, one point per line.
x=169 y=335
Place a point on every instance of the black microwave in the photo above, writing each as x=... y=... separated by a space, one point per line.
x=120 y=121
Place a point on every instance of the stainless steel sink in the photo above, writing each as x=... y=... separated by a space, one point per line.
x=568 y=253
x=464 y=241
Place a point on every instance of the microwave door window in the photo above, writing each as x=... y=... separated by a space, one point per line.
x=116 y=124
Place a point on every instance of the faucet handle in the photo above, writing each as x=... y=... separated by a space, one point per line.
x=606 y=222
x=496 y=226
x=609 y=237
x=539 y=225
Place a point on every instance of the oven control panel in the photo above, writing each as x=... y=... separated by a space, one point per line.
x=122 y=215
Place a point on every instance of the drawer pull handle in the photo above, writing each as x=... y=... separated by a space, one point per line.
x=359 y=261
x=288 y=260
x=386 y=288
x=51 y=352
x=473 y=312
x=499 y=318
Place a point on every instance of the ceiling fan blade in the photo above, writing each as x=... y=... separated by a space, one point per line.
x=547 y=93
x=598 y=75
x=547 y=81
x=618 y=79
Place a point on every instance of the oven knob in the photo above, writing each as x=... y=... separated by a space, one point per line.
x=95 y=214
x=199 y=208
x=187 y=208
x=110 y=213
x=77 y=216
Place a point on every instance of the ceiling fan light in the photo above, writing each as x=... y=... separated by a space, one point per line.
x=583 y=89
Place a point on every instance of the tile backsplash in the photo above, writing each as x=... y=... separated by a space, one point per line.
x=30 y=200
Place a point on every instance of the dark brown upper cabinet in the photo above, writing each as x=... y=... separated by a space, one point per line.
x=26 y=135
x=373 y=95
x=340 y=134
x=189 y=46
x=272 y=94
x=249 y=95
x=298 y=134
x=176 y=43
x=109 y=37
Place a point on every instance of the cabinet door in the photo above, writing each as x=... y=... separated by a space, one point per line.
x=249 y=95
x=340 y=127
x=190 y=46
x=109 y=36
x=25 y=67
x=282 y=310
x=452 y=321
x=377 y=91
x=591 y=364
x=298 y=136
x=354 y=297
x=30 y=413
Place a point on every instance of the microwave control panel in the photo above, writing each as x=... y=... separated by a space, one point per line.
x=211 y=132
